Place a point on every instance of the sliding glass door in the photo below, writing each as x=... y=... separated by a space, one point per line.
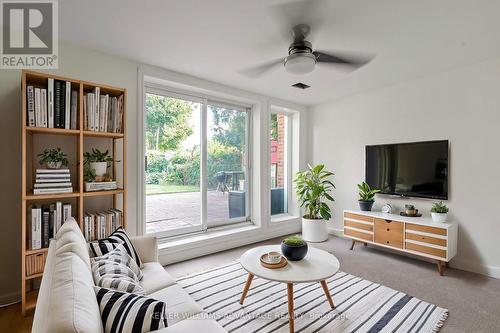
x=195 y=165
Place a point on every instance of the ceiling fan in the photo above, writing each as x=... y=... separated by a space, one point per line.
x=302 y=58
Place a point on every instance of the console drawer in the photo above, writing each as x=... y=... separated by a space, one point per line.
x=358 y=234
x=358 y=217
x=367 y=227
x=390 y=233
x=424 y=228
x=425 y=249
x=426 y=239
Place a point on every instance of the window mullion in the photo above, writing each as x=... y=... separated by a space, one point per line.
x=204 y=168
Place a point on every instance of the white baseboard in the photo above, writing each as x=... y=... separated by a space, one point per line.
x=466 y=265
x=9 y=298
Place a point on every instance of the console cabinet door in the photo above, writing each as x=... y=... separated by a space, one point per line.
x=389 y=233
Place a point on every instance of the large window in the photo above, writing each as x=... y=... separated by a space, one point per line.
x=280 y=136
x=196 y=163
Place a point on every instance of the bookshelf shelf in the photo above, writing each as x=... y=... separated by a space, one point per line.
x=56 y=131
x=74 y=142
x=34 y=197
x=102 y=134
x=100 y=193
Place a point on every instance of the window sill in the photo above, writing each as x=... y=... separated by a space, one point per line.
x=283 y=218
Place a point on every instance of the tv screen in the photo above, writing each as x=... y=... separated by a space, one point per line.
x=418 y=169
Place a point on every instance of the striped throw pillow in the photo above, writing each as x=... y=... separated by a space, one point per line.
x=105 y=245
x=118 y=256
x=130 y=313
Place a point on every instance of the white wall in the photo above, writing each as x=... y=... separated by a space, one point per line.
x=463 y=106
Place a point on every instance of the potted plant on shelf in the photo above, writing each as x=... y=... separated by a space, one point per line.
x=97 y=161
x=313 y=189
x=53 y=158
x=439 y=212
x=366 y=196
x=294 y=248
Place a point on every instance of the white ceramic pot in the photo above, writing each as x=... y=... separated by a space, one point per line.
x=99 y=167
x=314 y=230
x=54 y=165
x=439 y=217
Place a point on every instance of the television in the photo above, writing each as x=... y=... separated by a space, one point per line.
x=418 y=169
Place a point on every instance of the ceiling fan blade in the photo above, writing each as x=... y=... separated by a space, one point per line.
x=342 y=58
x=259 y=70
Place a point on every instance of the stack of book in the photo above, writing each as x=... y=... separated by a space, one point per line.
x=103 y=113
x=101 y=225
x=53 y=107
x=100 y=186
x=44 y=222
x=50 y=181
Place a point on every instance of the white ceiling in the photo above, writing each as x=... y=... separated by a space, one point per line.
x=214 y=39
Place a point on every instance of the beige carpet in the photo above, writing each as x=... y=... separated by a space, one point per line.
x=473 y=300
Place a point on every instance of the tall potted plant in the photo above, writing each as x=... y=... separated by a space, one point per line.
x=366 y=196
x=313 y=188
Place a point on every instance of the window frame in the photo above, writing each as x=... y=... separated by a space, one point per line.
x=204 y=100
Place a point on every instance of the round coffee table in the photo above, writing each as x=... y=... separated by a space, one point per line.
x=317 y=266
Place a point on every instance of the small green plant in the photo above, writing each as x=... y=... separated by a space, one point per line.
x=89 y=174
x=53 y=155
x=294 y=241
x=366 y=193
x=313 y=188
x=409 y=207
x=439 y=207
x=96 y=156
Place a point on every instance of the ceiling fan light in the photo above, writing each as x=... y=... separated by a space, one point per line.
x=300 y=63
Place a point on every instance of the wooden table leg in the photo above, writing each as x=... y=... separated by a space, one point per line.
x=289 y=288
x=352 y=244
x=440 y=266
x=327 y=293
x=247 y=286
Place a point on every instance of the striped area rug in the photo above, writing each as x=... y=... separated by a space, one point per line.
x=361 y=305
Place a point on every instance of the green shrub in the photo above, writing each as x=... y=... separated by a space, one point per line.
x=439 y=207
x=366 y=193
x=294 y=241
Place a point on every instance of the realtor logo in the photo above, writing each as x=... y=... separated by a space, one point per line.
x=29 y=36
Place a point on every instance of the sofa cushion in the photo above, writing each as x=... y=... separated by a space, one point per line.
x=67 y=301
x=180 y=305
x=120 y=256
x=155 y=277
x=129 y=313
x=194 y=325
x=119 y=236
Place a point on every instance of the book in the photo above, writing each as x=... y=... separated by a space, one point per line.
x=35 y=232
x=52 y=190
x=30 y=91
x=53 y=177
x=51 y=171
x=52 y=180
x=52 y=185
x=52 y=209
x=62 y=118
x=102 y=114
x=67 y=106
x=59 y=216
x=66 y=211
x=100 y=186
x=50 y=103
x=57 y=104
x=43 y=106
x=74 y=101
x=38 y=113
x=45 y=226
x=97 y=98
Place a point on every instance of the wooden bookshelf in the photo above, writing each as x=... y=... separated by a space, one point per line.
x=77 y=139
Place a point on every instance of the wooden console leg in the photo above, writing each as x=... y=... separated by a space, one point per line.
x=352 y=245
x=291 y=316
x=365 y=244
x=327 y=293
x=440 y=266
x=247 y=286
x=447 y=264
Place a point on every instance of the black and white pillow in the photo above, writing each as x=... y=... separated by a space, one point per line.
x=130 y=313
x=119 y=257
x=105 y=245
x=117 y=277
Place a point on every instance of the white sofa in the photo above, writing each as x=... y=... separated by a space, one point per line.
x=67 y=301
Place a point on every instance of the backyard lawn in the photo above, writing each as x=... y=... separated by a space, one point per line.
x=166 y=188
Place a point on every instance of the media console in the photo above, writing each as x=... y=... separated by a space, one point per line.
x=416 y=235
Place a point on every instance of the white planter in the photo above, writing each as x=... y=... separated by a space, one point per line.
x=99 y=167
x=54 y=165
x=439 y=217
x=314 y=230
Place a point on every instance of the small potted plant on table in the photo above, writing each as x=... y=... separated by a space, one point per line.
x=97 y=161
x=294 y=248
x=366 y=196
x=313 y=189
x=439 y=212
x=53 y=158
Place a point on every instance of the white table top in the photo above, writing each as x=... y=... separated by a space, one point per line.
x=316 y=266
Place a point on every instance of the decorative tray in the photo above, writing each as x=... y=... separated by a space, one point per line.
x=406 y=215
x=283 y=262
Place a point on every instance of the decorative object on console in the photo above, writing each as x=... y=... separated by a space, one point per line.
x=53 y=158
x=366 y=196
x=387 y=208
x=439 y=212
x=410 y=211
x=313 y=188
x=294 y=248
